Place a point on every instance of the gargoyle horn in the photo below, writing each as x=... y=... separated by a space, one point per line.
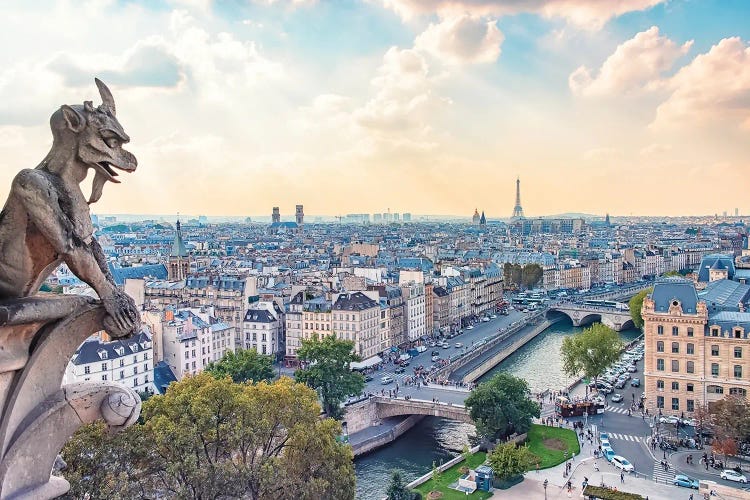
x=106 y=95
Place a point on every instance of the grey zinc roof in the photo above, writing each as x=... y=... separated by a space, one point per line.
x=727 y=320
x=90 y=350
x=259 y=316
x=120 y=274
x=670 y=289
x=715 y=261
x=356 y=301
x=725 y=295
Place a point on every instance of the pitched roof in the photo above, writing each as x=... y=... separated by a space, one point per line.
x=178 y=246
x=153 y=271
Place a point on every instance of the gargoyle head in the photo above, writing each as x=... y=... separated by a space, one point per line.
x=97 y=138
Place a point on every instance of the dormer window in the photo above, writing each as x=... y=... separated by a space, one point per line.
x=714 y=331
x=102 y=354
x=120 y=350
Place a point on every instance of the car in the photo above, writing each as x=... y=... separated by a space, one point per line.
x=733 y=475
x=632 y=369
x=405 y=363
x=608 y=453
x=446 y=346
x=636 y=382
x=459 y=345
x=470 y=327
x=669 y=419
x=400 y=369
x=605 y=443
x=620 y=384
x=685 y=481
x=435 y=358
x=617 y=398
x=368 y=378
x=435 y=353
x=622 y=463
x=493 y=316
x=386 y=380
x=485 y=320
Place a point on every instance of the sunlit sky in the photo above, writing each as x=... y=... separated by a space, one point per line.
x=422 y=106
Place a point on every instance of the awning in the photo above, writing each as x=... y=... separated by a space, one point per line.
x=361 y=365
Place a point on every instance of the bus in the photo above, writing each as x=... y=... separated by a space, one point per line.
x=565 y=408
x=606 y=303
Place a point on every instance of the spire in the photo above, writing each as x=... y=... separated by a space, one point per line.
x=178 y=246
x=482 y=220
x=518 y=210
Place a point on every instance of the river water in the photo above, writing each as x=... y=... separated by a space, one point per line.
x=436 y=439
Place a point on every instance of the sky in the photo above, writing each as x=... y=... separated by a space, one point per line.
x=627 y=107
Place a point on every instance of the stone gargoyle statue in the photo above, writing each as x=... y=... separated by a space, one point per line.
x=45 y=222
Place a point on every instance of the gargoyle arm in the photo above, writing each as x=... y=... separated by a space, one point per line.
x=40 y=199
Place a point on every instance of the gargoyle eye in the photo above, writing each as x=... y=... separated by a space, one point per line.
x=112 y=142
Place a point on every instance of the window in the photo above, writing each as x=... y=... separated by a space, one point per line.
x=675 y=348
x=660 y=401
x=690 y=405
x=715 y=331
x=690 y=348
x=660 y=385
x=738 y=352
x=714 y=350
x=675 y=403
x=135 y=381
x=715 y=389
x=690 y=388
x=675 y=365
x=187 y=366
x=660 y=346
x=715 y=369
x=738 y=333
x=675 y=386
x=690 y=331
x=86 y=370
x=104 y=366
x=122 y=374
x=104 y=377
x=738 y=391
x=690 y=367
x=122 y=363
x=660 y=330
x=675 y=331
x=737 y=371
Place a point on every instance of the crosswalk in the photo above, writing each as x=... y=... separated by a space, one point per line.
x=626 y=437
x=662 y=476
x=618 y=409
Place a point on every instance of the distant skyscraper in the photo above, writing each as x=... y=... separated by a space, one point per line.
x=407 y=217
x=275 y=216
x=518 y=210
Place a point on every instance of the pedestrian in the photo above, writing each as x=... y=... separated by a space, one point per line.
x=596 y=467
x=622 y=477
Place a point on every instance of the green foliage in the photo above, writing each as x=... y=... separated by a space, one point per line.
x=502 y=406
x=213 y=438
x=397 y=489
x=242 y=366
x=549 y=444
x=451 y=475
x=636 y=304
x=591 y=351
x=508 y=460
x=328 y=371
x=435 y=474
x=527 y=276
x=609 y=494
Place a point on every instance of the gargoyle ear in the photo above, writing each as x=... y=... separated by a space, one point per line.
x=73 y=119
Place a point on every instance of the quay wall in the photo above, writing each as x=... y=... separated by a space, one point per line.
x=386 y=437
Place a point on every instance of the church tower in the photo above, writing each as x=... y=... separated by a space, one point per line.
x=482 y=220
x=475 y=217
x=179 y=260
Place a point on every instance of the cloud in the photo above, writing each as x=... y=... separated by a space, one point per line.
x=636 y=64
x=462 y=39
x=714 y=87
x=656 y=149
x=588 y=14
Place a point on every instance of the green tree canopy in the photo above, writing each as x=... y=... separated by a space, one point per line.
x=243 y=365
x=328 y=371
x=731 y=418
x=209 y=438
x=502 y=406
x=591 y=351
x=531 y=275
x=636 y=304
x=397 y=489
x=508 y=460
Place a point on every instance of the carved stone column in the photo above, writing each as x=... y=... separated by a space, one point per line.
x=38 y=336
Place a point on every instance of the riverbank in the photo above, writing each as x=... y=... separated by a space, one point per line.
x=386 y=432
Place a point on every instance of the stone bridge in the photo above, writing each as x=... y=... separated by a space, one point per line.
x=582 y=315
x=387 y=407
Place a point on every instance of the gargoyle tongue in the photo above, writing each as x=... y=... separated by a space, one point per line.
x=97 y=187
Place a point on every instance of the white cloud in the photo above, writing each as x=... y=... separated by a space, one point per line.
x=714 y=87
x=588 y=14
x=636 y=64
x=462 y=39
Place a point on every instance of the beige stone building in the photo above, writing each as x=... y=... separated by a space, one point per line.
x=697 y=348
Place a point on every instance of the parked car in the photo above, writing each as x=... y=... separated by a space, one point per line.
x=386 y=380
x=636 y=382
x=669 y=419
x=400 y=369
x=470 y=327
x=446 y=345
x=435 y=358
x=368 y=378
x=733 y=475
x=459 y=345
x=617 y=398
x=620 y=384
x=685 y=481
x=632 y=369
x=435 y=353
x=622 y=463
x=493 y=316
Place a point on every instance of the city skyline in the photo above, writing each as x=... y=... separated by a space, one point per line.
x=628 y=108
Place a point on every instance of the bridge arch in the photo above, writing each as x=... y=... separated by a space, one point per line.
x=387 y=407
x=591 y=318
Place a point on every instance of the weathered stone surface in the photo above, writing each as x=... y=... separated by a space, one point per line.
x=46 y=221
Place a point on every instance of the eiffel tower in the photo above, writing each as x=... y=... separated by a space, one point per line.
x=518 y=210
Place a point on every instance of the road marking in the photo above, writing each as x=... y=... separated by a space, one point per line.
x=625 y=437
x=662 y=476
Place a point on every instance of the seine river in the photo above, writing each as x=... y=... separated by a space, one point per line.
x=436 y=439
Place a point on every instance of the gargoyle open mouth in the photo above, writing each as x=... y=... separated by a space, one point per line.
x=106 y=169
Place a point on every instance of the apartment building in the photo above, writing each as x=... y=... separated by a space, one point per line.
x=356 y=317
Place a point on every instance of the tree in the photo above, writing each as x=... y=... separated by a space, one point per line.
x=636 y=304
x=243 y=365
x=591 y=351
x=508 y=460
x=328 y=371
x=531 y=274
x=508 y=275
x=209 y=438
x=502 y=406
x=516 y=272
x=397 y=489
x=731 y=418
